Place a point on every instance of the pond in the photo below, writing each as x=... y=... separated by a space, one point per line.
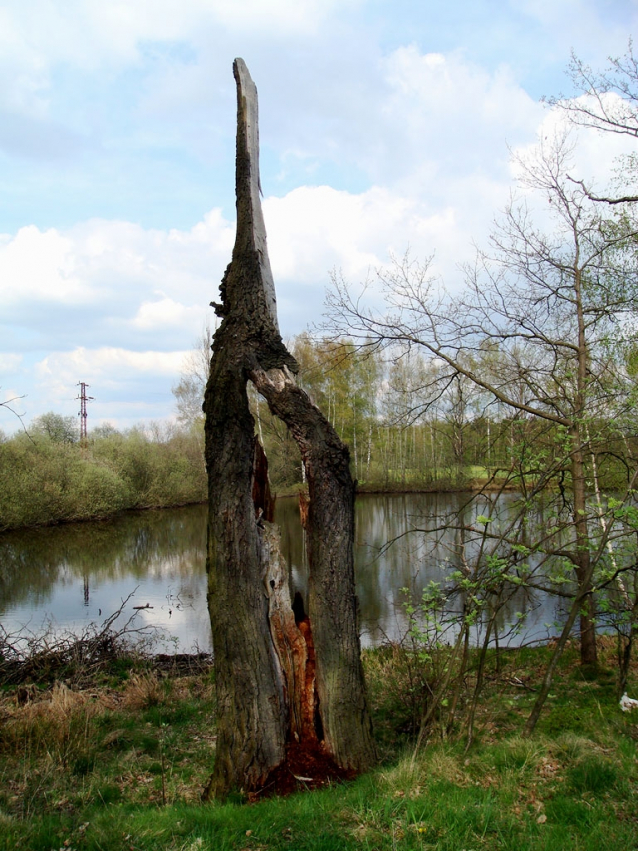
x=70 y=576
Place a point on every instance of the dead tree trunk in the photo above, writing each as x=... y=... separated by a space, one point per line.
x=289 y=684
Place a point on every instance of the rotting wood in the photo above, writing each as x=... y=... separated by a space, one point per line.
x=304 y=504
x=289 y=681
x=291 y=641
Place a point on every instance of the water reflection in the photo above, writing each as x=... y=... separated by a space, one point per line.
x=78 y=574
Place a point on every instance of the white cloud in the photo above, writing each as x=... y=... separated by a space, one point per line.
x=445 y=114
x=39 y=265
x=315 y=229
x=9 y=362
x=312 y=229
x=86 y=35
x=127 y=386
x=103 y=282
x=596 y=153
x=107 y=364
x=164 y=313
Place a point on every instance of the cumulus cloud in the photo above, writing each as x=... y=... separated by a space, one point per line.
x=126 y=386
x=165 y=313
x=106 y=364
x=596 y=155
x=368 y=148
x=88 y=34
x=9 y=363
x=115 y=282
x=313 y=230
x=40 y=265
x=446 y=116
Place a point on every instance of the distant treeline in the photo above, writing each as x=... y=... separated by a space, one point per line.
x=401 y=435
x=47 y=476
x=404 y=432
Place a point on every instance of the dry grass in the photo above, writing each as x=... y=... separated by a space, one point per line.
x=143 y=691
x=48 y=656
x=56 y=722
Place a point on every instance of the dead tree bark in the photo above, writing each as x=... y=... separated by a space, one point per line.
x=286 y=681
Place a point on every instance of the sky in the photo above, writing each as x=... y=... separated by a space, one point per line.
x=385 y=125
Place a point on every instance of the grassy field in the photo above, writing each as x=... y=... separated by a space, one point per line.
x=120 y=763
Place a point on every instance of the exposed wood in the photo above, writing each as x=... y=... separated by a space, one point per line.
x=304 y=505
x=288 y=685
x=290 y=641
x=332 y=606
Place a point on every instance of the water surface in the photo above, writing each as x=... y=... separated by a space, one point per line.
x=70 y=576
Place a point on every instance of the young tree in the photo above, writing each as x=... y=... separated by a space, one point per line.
x=547 y=306
x=56 y=427
x=189 y=390
x=286 y=680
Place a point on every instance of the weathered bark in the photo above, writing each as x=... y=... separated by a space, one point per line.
x=251 y=731
x=332 y=602
x=283 y=678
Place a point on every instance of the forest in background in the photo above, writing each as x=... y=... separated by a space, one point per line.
x=525 y=378
x=400 y=437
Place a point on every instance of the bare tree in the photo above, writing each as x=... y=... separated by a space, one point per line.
x=546 y=306
x=607 y=101
x=286 y=680
x=189 y=390
x=8 y=404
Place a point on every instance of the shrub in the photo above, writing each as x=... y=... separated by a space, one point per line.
x=45 y=481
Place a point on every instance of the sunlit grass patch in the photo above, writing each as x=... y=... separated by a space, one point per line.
x=147 y=749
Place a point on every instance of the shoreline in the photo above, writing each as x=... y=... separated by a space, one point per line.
x=365 y=489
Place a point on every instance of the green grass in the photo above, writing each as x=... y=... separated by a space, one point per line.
x=85 y=771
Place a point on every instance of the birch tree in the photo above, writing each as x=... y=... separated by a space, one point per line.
x=549 y=301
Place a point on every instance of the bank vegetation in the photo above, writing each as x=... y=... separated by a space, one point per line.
x=117 y=757
x=47 y=476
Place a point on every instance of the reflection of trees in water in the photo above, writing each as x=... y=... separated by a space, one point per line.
x=155 y=543
x=428 y=544
x=417 y=555
x=169 y=545
x=431 y=539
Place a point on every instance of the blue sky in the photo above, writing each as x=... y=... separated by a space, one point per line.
x=383 y=125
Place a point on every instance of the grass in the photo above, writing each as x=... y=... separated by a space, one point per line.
x=121 y=764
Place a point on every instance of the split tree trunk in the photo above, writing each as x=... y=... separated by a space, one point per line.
x=284 y=679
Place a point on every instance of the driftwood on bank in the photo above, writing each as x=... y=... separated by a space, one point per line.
x=289 y=678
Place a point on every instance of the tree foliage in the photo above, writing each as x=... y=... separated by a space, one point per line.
x=543 y=331
x=56 y=427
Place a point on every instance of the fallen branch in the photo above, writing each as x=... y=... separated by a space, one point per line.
x=27 y=656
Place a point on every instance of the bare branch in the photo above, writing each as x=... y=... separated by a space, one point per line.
x=622 y=199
